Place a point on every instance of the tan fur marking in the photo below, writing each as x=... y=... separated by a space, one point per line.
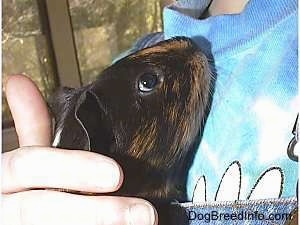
x=144 y=139
x=176 y=86
x=165 y=89
x=199 y=89
x=197 y=98
x=172 y=113
x=169 y=46
x=157 y=49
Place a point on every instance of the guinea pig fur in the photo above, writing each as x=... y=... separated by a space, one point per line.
x=145 y=111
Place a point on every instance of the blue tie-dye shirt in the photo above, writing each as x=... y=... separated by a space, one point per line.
x=254 y=108
x=254 y=102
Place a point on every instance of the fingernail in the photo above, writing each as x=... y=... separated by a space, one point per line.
x=141 y=214
x=110 y=175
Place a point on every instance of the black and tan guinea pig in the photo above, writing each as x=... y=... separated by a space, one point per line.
x=145 y=111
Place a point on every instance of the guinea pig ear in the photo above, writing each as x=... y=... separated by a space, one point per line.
x=90 y=114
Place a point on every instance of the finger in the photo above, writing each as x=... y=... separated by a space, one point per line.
x=42 y=167
x=44 y=207
x=29 y=111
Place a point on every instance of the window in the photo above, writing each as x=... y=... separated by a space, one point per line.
x=24 y=48
x=104 y=29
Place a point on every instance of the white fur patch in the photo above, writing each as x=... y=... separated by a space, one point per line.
x=57 y=137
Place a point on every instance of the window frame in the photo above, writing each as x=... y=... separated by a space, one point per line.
x=57 y=27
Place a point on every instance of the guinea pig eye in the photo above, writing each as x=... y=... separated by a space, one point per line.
x=147 y=82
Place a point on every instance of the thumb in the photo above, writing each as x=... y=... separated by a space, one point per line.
x=29 y=111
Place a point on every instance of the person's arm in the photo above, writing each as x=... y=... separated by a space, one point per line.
x=219 y=7
x=35 y=166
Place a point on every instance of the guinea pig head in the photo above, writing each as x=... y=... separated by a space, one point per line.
x=148 y=106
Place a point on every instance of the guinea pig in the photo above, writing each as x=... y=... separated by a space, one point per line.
x=145 y=111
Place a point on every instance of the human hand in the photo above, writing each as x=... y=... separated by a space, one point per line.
x=33 y=173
